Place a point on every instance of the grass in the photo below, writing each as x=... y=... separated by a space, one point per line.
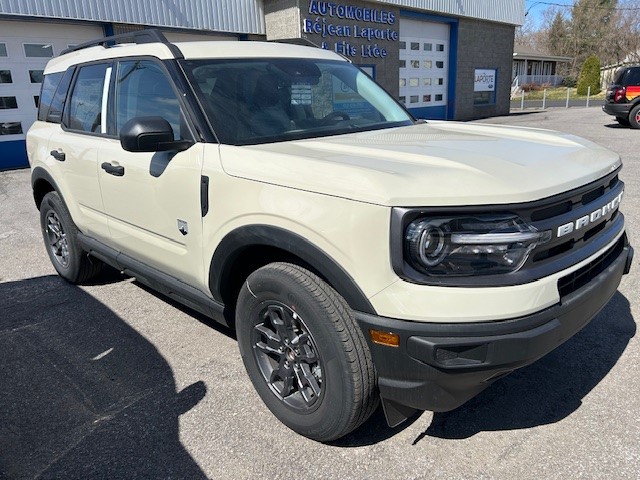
x=558 y=93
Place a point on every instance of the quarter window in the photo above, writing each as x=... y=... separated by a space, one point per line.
x=38 y=50
x=85 y=105
x=3 y=49
x=143 y=90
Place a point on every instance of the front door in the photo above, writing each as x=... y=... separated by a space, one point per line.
x=152 y=200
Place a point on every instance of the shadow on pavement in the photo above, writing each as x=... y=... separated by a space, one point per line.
x=548 y=390
x=83 y=395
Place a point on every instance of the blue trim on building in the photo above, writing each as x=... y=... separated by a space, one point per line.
x=429 y=113
x=14 y=154
x=450 y=110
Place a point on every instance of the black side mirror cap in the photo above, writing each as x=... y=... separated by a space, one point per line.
x=150 y=134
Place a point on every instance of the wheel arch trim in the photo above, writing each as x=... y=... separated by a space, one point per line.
x=236 y=241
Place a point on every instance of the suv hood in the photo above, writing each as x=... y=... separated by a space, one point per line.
x=434 y=164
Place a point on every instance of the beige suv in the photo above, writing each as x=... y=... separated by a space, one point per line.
x=360 y=254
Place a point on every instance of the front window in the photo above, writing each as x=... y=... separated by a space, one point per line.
x=256 y=101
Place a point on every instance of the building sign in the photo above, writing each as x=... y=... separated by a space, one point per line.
x=484 y=80
x=352 y=31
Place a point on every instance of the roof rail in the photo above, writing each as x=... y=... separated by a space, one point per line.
x=150 y=35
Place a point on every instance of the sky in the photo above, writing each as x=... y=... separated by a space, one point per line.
x=536 y=8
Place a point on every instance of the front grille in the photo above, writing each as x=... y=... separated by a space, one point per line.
x=582 y=276
x=568 y=208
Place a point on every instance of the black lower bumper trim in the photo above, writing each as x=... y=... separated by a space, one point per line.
x=438 y=367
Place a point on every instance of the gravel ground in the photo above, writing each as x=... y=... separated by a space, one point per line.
x=111 y=381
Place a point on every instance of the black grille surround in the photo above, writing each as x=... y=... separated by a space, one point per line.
x=560 y=253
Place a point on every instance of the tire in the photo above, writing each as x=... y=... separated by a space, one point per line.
x=634 y=117
x=623 y=121
x=60 y=239
x=320 y=380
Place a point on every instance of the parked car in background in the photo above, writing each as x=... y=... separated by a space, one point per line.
x=623 y=97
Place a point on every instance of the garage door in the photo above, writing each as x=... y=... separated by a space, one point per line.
x=25 y=49
x=424 y=63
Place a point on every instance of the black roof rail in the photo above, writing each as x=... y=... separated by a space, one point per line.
x=149 y=35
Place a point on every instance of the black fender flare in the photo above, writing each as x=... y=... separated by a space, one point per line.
x=40 y=173
x=233 y=244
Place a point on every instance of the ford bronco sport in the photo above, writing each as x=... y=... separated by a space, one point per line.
x=360 y=254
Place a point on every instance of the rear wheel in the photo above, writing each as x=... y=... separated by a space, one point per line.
x=623 y=121
x=304 y=352
x=60 y=239
x=634 y=117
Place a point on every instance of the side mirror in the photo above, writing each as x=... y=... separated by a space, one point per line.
x=150 y=134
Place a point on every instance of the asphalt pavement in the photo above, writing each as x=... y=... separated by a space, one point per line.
x=109 y=380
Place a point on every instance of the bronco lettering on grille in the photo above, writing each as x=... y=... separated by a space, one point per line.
x=592 y=217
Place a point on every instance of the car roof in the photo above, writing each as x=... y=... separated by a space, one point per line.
x=189 y=50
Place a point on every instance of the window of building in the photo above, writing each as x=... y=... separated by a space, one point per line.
x=439 y=47
x=428 y=47
x=439 y=97
x=36 y=76
x=428 y=64
x=426 y=98
x=403 y=45
x=8 y=102
x=415 y=63
x=403 y=99
x=415 y=46
x=439 y=64
x=10 y=128
x=403 y=63
x=3 y=49
x=414 y=99
x=426 y=82
x=441 y=81
x=38 y=50
x=403 y=82
x=414 y=82
x=5 y=76
x=85 y=104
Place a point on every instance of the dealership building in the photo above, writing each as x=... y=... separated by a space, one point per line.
x=443 y=59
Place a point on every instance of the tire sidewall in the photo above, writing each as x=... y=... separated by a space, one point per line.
x=632 y=117
x=337 y=393
x=53 y=203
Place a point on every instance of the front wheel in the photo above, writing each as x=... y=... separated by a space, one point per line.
x=304 y=352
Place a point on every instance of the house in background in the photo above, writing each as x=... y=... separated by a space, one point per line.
x=608 y=72
x=535 y=68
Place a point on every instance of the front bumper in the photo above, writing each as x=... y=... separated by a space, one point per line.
x=439 y=367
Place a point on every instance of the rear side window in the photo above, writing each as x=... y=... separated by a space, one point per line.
x=85 y=104
x=633 y=78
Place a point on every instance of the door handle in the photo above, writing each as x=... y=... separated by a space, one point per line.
x=114 y=170
x=58 y=155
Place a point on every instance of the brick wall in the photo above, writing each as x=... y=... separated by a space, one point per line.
x=489 y=45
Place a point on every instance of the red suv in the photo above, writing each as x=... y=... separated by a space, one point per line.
x=623 y=97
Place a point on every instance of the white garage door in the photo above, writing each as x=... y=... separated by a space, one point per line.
x=424 y=63
x=25 y=49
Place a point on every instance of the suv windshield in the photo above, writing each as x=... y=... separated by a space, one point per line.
x=253 y=101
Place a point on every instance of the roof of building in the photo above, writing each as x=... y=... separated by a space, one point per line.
x=525 y=52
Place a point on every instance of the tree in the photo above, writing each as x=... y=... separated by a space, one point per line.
x=591 y=26
x=589 y=76
x=558 y=36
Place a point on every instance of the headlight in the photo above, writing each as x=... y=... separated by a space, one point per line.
x=470 y=245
